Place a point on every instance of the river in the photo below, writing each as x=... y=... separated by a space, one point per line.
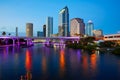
x=43 y=63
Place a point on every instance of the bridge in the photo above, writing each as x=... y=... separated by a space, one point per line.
x=112 y=37
x=30 y=40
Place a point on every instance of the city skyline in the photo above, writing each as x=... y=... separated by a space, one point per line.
x=18 y=13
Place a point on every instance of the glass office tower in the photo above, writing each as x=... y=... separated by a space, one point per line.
x=49 y=27
x=89 y=28
x=64 y=22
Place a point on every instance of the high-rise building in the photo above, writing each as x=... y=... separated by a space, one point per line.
x=64 y=22
x=44 y=30
x=16 y=31
x=49 y=27
x=39 y=34
x=77 y=27
x=29 y=30
x=98 y=33
x=89 y=28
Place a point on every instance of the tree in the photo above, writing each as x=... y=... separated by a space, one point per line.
x=76 y=34
x=3 y=33
x=108 y=44
x=9 y=34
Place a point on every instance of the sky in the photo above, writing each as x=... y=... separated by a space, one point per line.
x=105 y=14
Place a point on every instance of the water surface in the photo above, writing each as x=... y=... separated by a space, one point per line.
x=44 y=63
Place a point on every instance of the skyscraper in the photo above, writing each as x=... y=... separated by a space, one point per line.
x=64 y=22
x=29 y=30
x=44 y=30
x=89 y=28
x=16 y=31
x=49 y=26
x=77 y=27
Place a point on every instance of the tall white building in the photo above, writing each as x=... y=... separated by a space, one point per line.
x=89 y=28
x=49 y=26
x=77 y=27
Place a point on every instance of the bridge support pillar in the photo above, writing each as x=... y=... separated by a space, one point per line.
x=18 y=42
x=47 y=41
x=77 y=41
x=6 y=41
x=61 y=41
x=13 y=42
x=27 y=42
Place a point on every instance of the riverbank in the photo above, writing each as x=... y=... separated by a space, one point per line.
x=94 y=47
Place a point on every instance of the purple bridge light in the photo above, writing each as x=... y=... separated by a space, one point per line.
x=29 y=40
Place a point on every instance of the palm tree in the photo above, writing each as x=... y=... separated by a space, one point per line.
x=3 y=33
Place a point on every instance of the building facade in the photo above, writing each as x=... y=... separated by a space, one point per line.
x=16 y=31
x=112 y=37
x=29 y=30
x=39 y=34
x=77 y=27
x=98 y=33
x=44 y=30
x=89 y=28
x=64 y=22
x=49 y=26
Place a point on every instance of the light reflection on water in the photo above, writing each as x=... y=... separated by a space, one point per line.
x=43 y=63
x=62 y=62
x=28 y=65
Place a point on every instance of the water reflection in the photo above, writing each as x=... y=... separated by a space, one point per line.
x=5 y=52
x=59 y=64
x=85 y=64
x=62 y=62
x=16 y=61
x=44 y=64
x=0 y=73
x=74 y=59
x=78 y=55
x=93 y=60
x=28 y=65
